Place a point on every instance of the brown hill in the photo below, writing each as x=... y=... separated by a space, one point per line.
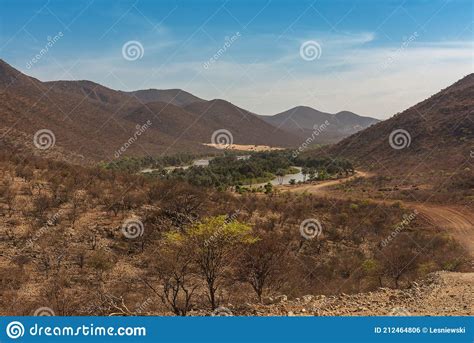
x=93 y=121
x=87 y=125
x=436 y=144
x=176 y=97
x=89 y=89
x=198 y=121
x=246 y=127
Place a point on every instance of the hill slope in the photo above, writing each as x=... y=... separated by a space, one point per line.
x=431 y=142
x=93 y=121
x=176 y=97
x=246 y=127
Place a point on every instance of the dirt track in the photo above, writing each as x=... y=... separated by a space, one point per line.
x=457 y=220
x=442 y=293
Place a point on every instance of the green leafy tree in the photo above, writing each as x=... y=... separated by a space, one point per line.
x=213 y=243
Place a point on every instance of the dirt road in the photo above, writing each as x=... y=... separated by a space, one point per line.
x=444 y=293
x=457 y=220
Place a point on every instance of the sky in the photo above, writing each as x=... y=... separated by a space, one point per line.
x=374 y=58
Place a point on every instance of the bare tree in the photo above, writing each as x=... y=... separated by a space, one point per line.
x=399 y=258
x=176 y=273
x=260 y=265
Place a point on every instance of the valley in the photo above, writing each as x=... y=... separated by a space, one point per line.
x=159 y=202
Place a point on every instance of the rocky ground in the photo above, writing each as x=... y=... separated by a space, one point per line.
x=440 y=294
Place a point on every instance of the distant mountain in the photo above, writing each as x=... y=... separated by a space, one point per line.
x=84 y=117
x=303 y=120
x=176 y=97
x=198 y=121
x=247 y=127
x=433 y=139
x=93 y=122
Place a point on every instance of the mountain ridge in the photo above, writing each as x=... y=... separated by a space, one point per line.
x=94 y=121
x=303 y=120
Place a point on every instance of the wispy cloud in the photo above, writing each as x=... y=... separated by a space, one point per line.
x=266 y=74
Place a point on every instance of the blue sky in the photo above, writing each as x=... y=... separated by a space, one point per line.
x=372 y=57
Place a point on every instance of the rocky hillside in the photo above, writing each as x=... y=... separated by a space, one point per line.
x=425 y=152
x=440 y=294
x=435 y=134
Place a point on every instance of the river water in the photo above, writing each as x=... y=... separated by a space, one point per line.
x=204 y=162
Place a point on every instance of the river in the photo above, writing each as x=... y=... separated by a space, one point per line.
x=204 y=162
